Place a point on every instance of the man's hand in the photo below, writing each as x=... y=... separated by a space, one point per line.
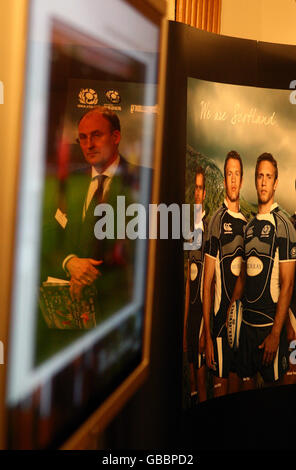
x=83 y=270
x=75 y=290
x=210 y=353
x=270 y=345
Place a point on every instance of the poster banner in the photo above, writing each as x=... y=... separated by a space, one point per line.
x=67 y=178
x=248 y=249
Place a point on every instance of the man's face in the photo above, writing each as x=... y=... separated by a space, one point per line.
x=199 y=193
x=97 y=141
x=265 y=182
x=232 y=180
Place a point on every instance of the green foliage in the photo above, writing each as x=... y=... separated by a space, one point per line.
x=214 y=180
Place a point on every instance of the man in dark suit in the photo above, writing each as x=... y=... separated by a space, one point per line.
x=69 y=247
x=107 y=263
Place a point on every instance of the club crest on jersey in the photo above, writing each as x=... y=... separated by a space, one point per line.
x=265 y=231
x=227 y=227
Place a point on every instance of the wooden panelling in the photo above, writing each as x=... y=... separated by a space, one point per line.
x=203 y=14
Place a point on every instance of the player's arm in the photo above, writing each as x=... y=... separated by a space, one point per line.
x=209 y=271
x=202 y=339
x=240 y=284
x=271 y=342
x=186 y=308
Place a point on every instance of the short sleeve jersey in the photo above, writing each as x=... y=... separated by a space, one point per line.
x=293 y=220
x=270 y=239
x=196 y=264
x=225 y=244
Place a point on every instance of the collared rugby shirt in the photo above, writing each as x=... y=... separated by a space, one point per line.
x=225 y=245
x=270 y=239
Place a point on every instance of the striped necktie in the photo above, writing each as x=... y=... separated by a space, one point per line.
x=95 y=194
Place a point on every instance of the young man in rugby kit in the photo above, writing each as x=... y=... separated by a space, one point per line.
x=290 y=376
x=224 y=250
x=193 y=339
x=266 y=282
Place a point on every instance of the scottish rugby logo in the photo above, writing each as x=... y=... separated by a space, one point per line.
x=265 y=231
x=113 y=96
x=88 y=97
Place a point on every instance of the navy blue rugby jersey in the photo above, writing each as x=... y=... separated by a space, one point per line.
x=270 y=239
x=293 y=220
x=225 y=244
x=196 y=264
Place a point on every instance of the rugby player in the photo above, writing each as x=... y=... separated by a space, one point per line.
x=290 y=376
x=266 y=280
x=224 y=250
x=193 y=339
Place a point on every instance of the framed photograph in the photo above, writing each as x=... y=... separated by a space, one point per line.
x=89 y=149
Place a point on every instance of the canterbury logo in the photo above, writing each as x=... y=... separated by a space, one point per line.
x=227 y=227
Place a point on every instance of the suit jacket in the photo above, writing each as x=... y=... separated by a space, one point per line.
x=115 y=285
